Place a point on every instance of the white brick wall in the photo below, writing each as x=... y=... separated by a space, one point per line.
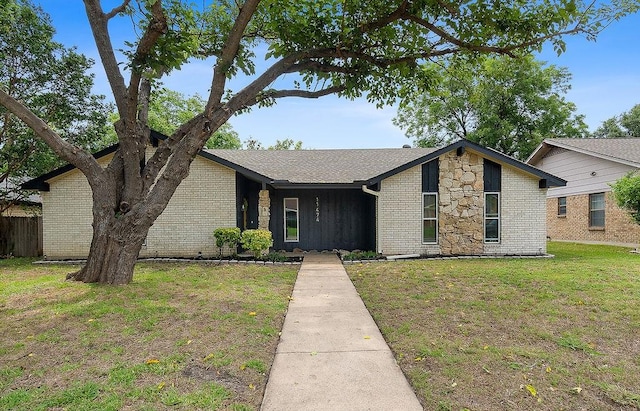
x=523 y=215
x=400 y=214
x=204 y=201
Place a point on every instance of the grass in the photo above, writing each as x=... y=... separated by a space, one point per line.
x=548 y=334
x=179 y=337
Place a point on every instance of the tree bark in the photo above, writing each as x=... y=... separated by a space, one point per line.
x=115 y=247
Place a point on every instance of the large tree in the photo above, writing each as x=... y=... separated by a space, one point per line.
x=626 y=192
x=169 y=109
x=510 y=104
x=626 y=124
x=53 y=81
x=349 y=48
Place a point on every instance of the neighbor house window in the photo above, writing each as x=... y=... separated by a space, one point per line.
x=430 y=218
x=596 y=210
x=562 y=206
x=291 y=220
x=491 y=217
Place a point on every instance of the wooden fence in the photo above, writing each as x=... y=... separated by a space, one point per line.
x=21 y=236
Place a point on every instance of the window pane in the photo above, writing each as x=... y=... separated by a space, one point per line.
x=429 y=231
x=597 y=201
x=596 y=210
x=491 y=206
x=290 y=219
x=597 y=218
x=429 y=206
x=562 y=205
x=491 y=230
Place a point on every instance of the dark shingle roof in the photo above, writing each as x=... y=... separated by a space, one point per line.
x=625 y=150
x=313 y=168
x=321 y=166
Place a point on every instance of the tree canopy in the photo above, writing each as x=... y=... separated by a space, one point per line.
x=169 y=109
x=626 y=124
x=626 y=192
x=510 y=104
x=311 y=48
x=54 y=82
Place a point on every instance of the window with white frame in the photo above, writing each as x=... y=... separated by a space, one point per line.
x=491 y=217
x=291 y=220
x=430 y=218
x=562 y=206
x=596 y=210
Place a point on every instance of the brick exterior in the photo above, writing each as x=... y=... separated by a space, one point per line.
x=619 y=228
x=522 y=213
x=204 y=201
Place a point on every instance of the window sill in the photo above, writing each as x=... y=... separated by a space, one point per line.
x=596 y=228
x=561 y=216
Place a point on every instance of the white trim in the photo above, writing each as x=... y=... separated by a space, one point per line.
x=429 y=219
x=485 y=218
x=297 y=210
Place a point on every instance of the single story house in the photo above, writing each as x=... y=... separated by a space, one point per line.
x=584 y=210
x=462 y=199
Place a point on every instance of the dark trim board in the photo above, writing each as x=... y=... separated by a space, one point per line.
x=339 y=219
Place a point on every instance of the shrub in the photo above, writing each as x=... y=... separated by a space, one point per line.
x=360 y=255
x=229 y=236
x=258 y=241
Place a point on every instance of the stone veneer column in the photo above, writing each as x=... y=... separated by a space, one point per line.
x=264 y=206
x=461 y=208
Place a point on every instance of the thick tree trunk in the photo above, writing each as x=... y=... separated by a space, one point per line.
x=114 y=251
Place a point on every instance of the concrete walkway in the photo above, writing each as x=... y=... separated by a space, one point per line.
x=331 y=355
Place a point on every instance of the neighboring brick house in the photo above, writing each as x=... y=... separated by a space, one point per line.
x=584 y=210
x=462 y=199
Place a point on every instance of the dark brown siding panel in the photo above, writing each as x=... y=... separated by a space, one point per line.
x=328 y=219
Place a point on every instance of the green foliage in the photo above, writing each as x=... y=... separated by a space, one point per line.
x=229 y=236
x=626 y=192
x=510 y=104
x=275 y=257
x=626 y=124
x=258 y=241
x=286 y=144
x=360 y=255
x=168 y=110
x=54 y=82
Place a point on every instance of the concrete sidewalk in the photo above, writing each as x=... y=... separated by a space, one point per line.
x=331 y=355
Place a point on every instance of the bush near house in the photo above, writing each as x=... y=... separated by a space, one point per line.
x=257 y=241
x=229 y=236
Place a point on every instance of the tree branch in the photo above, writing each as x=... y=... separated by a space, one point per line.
x=114 y=12
x=274 y=94
x=74 y=155
x=98 y=22
x=229 y=53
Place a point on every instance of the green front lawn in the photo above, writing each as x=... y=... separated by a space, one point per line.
x=180 y=337
x=505 y=334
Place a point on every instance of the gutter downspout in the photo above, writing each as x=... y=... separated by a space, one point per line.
x=376 y=194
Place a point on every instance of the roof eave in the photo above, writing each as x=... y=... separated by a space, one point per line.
x=548 y=143
x=551 y=180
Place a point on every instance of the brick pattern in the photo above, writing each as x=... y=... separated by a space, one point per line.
x=619 y=228
x=204 y=201
x=66 y=215
x=461 y=204
x=523 y=204
x=399 y=212
x=522 y=216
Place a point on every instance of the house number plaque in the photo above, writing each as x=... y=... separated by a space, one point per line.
x=317 y=210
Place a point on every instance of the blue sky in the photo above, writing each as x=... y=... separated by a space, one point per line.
x=605 y=82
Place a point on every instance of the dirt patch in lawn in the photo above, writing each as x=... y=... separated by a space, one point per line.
x=179 y=337
x=552 y=334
